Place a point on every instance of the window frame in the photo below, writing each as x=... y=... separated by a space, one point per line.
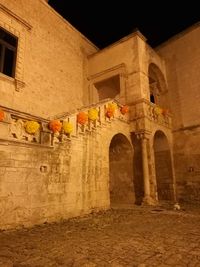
x=11 y=47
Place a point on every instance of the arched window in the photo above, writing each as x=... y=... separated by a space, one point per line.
x=152 y=98
x=157 y=84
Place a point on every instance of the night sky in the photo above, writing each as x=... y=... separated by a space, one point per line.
x=104 y=22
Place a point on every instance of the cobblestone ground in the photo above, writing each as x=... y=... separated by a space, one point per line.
x=142 y=237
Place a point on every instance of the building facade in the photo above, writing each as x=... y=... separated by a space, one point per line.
x=83 y=129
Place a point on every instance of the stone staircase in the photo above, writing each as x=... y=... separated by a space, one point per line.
x=12 y=127
x=49 y=175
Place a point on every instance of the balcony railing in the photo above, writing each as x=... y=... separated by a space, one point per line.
x=145 y=109
x=159 y=115
x=12 y=127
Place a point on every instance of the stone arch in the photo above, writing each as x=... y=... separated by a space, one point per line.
x=157 y=84
x=121 y=185
x=138 y=170
x=163 y=167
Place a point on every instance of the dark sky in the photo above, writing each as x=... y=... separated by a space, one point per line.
x=104 y=22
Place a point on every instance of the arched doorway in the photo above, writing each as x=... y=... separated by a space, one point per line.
x=138 y=170
x=163 y=167
x=121 y=171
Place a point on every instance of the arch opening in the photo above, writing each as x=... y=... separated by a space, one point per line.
x=121 y=171
x=138 y=170
x=157 y=86
x=163 y=167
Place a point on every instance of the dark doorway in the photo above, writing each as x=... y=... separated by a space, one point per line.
x=163 y=167
x=121 y=171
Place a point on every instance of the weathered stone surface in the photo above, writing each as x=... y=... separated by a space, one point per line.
x=115 y=238
x=46 y=176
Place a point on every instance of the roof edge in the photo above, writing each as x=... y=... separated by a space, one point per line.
x=123 y=39
x=178 y=35
x=45 y=2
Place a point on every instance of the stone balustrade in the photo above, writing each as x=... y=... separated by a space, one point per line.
x=144 y=109
x=158 y=114
x=91 y=125
x=12 y=127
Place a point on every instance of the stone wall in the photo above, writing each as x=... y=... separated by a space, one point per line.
x=51 y=66
x=121 y=59
x=182 y=57
x=68 y=187
x=42 y=184
x=56 y=71
x=187 y=165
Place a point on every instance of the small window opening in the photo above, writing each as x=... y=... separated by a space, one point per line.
x=152 y=98
x=109 y=88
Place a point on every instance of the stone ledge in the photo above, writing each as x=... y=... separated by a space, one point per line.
x=22 y=143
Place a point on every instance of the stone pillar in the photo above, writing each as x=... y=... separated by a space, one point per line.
x=147 y=191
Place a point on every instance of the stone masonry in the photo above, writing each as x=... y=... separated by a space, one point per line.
x=129 y=150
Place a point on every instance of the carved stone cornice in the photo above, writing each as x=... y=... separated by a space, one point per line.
x=144 y=134
x=16 y=17
x=108 y=73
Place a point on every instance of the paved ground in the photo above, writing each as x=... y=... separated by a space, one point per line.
x=143 y=237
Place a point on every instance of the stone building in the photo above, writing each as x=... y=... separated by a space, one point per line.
x=84 y=129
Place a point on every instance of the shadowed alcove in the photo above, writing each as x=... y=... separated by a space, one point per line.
x=121 y=171
x=163 y=167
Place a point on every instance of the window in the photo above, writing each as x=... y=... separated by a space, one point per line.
x=8 y=50
x=152 y=98
x=109 y=88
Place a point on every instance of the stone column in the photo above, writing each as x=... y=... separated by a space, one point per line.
x=147 y=192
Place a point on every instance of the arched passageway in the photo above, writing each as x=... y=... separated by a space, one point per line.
x=121 y=171
x=163 y=167
x=137 y=170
